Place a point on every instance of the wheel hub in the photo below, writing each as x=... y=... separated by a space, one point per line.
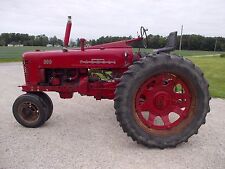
x=161 y=100
x=29 y=112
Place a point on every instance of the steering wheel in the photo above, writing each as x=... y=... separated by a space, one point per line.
x=144 y=35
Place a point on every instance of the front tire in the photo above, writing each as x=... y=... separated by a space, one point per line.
x=29 y=110
x=48 y=103
x=162 y=100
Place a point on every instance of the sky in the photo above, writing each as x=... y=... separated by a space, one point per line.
x=94 y=18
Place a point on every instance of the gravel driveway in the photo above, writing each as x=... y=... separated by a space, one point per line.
x=84 y=133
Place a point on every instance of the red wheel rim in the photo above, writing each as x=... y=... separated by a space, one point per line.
x=163 y=101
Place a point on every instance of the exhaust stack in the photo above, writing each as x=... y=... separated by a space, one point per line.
x=67 y=33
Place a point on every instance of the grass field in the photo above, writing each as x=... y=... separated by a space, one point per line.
x=212 y=66
x=214 y=70
x=13 y=54
x=186 y=53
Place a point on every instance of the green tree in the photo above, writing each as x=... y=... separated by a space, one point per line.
x=53 y=41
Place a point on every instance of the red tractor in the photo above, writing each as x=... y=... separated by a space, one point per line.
x=160 y=99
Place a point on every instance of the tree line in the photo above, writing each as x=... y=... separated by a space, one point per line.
x=28 y=40
x=189 y=42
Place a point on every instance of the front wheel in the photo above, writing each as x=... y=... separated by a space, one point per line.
x=29 y=111
x=162 y=100
x=47 y=102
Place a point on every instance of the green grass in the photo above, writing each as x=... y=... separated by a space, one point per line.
x=195 y=53
x=16 y=52
x=3 y=60
x=212 y=66
x=214 y=70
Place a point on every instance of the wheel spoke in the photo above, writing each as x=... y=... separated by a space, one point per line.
x=151 y=119
x=166 y=120
x=181 y=100
x=178 y=96
x=158 y=80
x=170 y=85
x=177 y=110
x=147 y=93
x=144 y=103
x=182 y=103
x=143 y=107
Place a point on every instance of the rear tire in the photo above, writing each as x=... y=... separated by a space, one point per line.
x=29 y=111
x=150 y=85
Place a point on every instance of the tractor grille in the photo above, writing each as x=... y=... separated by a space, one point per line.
x=25 y=68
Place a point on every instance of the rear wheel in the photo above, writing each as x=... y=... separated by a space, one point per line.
x=162 y=100
x=29 y=111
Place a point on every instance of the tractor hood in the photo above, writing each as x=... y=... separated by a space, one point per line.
x=75 y=58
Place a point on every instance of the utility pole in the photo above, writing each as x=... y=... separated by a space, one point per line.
x=181 y=35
